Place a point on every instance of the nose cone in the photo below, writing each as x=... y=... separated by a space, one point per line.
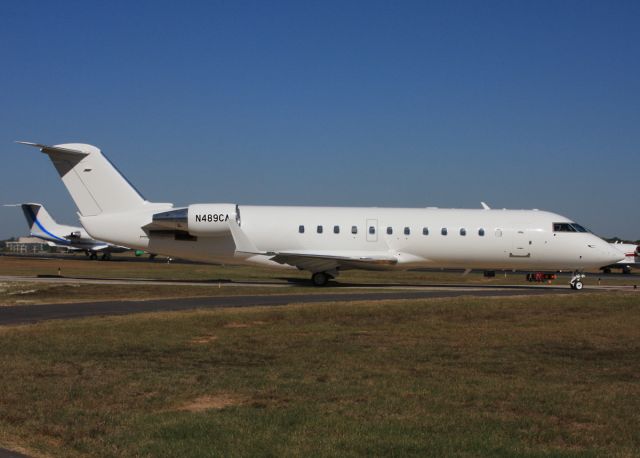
x=610 y=254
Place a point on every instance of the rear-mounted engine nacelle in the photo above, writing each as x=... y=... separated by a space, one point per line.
x=210 y=220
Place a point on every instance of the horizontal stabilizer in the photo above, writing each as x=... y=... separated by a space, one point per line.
x=48 y=149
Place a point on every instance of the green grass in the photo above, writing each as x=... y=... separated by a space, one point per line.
x=538 y=376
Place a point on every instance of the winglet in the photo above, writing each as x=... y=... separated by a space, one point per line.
x=485 y=206
x=243 y=244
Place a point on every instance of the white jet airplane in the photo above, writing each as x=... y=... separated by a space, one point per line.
x=43 y=226
x=323 y=240
x=631 y=259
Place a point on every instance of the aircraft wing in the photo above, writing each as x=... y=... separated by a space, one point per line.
x=323 y=261
x=314 y=261
x=107 y=247
x=99 y=247
x=71 y=248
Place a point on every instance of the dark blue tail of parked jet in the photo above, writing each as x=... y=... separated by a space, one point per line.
x=42 y=225
x=30 y=213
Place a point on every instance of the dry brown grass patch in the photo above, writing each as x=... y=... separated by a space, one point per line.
x=204 y=339
x=235 y=324
x=215 y=402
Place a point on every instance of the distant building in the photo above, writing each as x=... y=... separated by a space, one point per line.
x=27 y=245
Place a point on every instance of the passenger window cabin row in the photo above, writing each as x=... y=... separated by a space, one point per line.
x=557 y=227
x=406 y=231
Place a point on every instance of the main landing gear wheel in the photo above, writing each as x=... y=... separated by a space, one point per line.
x=577 y=285
x=320 y=278
x=93 y=256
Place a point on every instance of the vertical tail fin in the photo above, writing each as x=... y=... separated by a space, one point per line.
x=95 y=185
x=40 y=222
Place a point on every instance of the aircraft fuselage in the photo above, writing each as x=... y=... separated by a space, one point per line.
x=417 y=237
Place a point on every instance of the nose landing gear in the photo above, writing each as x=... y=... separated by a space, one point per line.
x=576 y=281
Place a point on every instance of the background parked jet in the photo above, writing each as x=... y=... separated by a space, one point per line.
x=43 y=226
x=631 y=252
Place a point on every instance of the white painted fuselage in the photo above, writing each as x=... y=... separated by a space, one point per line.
x=512 y=239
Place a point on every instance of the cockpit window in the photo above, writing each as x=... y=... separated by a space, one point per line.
x=563 y=227
x=568 y=227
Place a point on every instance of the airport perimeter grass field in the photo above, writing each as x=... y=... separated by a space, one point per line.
x=552 y=375
x=528 y=376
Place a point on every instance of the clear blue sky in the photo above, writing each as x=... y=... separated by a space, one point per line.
x=520 y=104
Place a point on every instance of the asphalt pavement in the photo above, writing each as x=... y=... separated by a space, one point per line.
x=19 y=314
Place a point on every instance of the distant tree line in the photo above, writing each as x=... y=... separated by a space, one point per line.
x=619 y=240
